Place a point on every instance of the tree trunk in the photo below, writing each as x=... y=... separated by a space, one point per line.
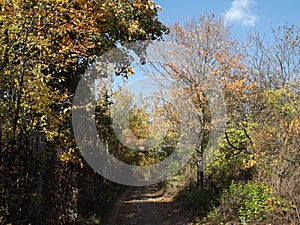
x=200 y=175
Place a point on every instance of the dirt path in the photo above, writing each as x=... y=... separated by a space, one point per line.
x=146 y=206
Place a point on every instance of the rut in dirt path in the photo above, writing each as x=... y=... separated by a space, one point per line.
x=145 y=206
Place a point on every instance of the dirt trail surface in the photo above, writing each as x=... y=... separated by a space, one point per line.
x=146 y=206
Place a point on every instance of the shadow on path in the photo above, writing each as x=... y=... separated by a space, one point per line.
x=146 y=206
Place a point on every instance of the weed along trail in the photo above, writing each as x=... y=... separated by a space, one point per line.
x=145 y=206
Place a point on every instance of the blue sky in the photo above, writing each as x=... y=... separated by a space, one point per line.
x=244 y=15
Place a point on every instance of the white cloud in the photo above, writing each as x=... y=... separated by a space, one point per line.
x=239 y=11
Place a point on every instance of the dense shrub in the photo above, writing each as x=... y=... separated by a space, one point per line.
x=250 y=198
x=248 y=203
